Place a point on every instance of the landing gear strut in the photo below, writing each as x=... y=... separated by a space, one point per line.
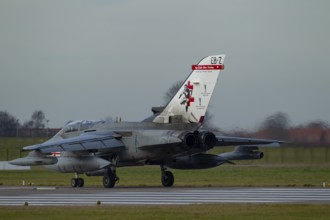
x=110 y=178
x=77 y=182
x=167 y=177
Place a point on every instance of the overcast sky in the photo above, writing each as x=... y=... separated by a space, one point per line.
x=101 y=58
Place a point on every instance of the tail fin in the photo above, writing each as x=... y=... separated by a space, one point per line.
x=190 y=103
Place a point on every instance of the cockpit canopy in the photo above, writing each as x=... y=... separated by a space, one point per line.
x=80 y=125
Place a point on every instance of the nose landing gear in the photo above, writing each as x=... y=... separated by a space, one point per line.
x=110 y=178
x=77 y=182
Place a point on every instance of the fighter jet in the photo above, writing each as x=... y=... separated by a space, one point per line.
x=173 y=137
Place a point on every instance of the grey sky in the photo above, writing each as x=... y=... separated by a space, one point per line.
x=93 y=59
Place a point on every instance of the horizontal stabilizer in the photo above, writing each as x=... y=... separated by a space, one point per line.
x=236 y=141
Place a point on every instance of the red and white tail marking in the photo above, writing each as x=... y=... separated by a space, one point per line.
x=192 y=99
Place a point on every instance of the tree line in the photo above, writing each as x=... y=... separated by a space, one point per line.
x=277 y=126
x=9 y=124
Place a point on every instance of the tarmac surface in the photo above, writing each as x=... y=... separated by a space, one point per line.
x=65 y=196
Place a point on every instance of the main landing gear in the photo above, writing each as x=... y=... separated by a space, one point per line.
x=167 y=177
x=77 y=182
x=110 y=178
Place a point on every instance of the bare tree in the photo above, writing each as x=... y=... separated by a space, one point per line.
x=276 y=126
x=8 y=124
x=318 y=124
x=172 y=91
x=322 y=127
x=37 y=120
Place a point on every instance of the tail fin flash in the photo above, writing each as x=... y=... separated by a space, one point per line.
x=190 y=103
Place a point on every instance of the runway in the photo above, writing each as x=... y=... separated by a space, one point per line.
x=50 y=196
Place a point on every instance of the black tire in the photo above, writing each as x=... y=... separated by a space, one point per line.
x=80 y=182
x=74 y=182
x=109 y=181
x=167 y=179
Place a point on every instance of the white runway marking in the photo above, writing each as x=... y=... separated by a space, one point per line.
x=163 y=196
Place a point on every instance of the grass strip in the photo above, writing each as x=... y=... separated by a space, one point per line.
x=148 y=176
x=211 y=211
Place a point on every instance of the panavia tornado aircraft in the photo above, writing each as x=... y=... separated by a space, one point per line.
x=171 y=138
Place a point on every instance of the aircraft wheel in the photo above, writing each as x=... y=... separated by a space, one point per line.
x=77 y=182
x=109 y=181
x=167 y=179
x=74 y=182
x=80 y=182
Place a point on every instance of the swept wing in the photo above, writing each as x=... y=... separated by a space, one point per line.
x=84 y=142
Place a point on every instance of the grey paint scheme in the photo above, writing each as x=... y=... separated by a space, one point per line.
x=140 y=143
x=104 y=146
x=172 y=137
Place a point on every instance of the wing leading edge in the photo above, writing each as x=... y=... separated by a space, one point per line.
x=84 y=142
